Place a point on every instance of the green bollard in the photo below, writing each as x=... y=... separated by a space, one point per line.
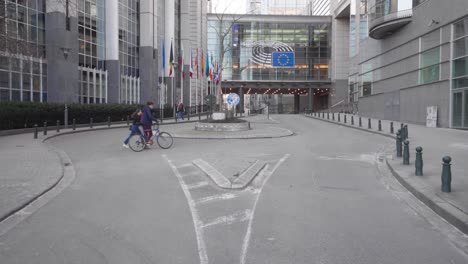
x=406 y=154
x=398 y=145
x=446 y=175
x=419 y=162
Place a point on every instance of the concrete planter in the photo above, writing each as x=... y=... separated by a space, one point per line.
x=222 y=127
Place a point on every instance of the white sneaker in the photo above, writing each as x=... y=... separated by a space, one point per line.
x=125 y=146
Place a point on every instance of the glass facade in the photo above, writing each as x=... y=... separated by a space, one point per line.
x=286 y=7
x=91 y=54
x=23 y=72
x=460 y=75
x=381 y=8
x=129 y=42
x=248 y=50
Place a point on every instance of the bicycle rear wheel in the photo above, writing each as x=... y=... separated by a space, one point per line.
x=137 y=143
x=165 y=140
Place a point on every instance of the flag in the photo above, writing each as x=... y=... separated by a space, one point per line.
x=181 y=60
x=197 y=60
x=191 y=64
x=171 y=62
x=218 y=73
x=207 y=66
x=163 y=59
x=202 y=64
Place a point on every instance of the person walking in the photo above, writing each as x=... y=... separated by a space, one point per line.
x=147 y=120
x=180 y=111
x=134 y=128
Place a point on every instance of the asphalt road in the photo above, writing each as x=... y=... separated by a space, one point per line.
x=323 y=197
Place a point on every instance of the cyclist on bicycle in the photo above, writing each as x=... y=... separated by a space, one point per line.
x=134 y=128
x=147 y=120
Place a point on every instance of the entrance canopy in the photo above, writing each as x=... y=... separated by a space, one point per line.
x=276 y=87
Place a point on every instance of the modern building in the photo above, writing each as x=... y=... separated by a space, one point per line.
x=279 y=7
x=405 y=58
x=319 y=7
x=284 y=58
x=98 y=51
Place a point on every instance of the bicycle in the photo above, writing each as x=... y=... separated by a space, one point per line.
x=138 y=142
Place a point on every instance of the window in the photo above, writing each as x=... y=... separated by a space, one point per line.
x=429 y=66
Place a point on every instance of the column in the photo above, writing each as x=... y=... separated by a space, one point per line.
x=112 y=51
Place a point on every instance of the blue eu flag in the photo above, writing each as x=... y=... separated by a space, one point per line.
x=282 y=59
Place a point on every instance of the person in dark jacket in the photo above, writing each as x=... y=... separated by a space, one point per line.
x=147 y=120
x=134 y=128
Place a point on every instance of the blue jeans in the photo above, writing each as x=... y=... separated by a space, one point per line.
x=180 y=115
x=134 y=130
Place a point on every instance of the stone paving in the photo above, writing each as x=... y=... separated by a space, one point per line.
x=436 y=143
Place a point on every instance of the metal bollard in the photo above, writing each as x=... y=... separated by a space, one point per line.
x=406 y=132
x=128 y=120
x=360 y=122
x=108 y=121
x=188 y=114
x=199 y=116
x=398 y=146
x=419 y=162
x=74 y=124
x=446 y=174
x=391 y=128
x=406 y=154
x=36 y=130
x=339 y=117
x=380 y=125
x=345 y=119
x=45 y=128
x=402 y=128
x=352 y=120
x=369 y=123
x=58 y=126
x=333 y=116
x=328 y=116
x=91 y=122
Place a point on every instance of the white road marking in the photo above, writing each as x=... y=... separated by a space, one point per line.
x=198 y=185
x=195 y=217
x=362 y=158
x=224 y=196
x=184 y=165
x=237 y=217
x=191 y=173
x=245 y=245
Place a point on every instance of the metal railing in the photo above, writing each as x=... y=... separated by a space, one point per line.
x=390 y=17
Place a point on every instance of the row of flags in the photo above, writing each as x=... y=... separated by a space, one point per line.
x=201 y=65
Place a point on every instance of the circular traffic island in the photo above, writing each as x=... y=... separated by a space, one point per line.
x=226 y=125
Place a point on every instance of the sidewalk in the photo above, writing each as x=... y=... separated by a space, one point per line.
x=436 y=143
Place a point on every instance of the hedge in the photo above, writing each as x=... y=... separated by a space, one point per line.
x=14 y=115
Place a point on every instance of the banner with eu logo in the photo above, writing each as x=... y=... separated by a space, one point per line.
x=282 y=59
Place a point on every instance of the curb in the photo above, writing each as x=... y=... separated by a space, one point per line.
x=448 y=212
x=288 y=134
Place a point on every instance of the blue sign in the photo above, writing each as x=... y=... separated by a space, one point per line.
x=282 y=59
x=233 y=99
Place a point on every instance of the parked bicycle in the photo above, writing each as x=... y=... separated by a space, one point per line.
x=139 y=142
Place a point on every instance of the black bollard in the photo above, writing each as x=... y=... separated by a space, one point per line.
x=360 y=122
x=45 y=128
x=402 y=128
x=369 y=125
x=328 y=116
x=108 y=121
x=333 y=116
x=399 y=146
x=188 y=114
x=419 y=162
x=352 y=120
x=380 y=125
x=345 y=119
x=128 y=120
x=446 y=175
x=91 y=122
x=406 y=132
x=199 y=116
x=74 y=124
x=36 y=130
x=391 y=128
x=339 y=117
x=406 y=154
x=58 y=126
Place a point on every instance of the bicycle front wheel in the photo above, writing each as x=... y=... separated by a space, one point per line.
x=165 y=140
x=137 y=143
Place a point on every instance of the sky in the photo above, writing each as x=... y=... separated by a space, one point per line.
x=232 y=6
